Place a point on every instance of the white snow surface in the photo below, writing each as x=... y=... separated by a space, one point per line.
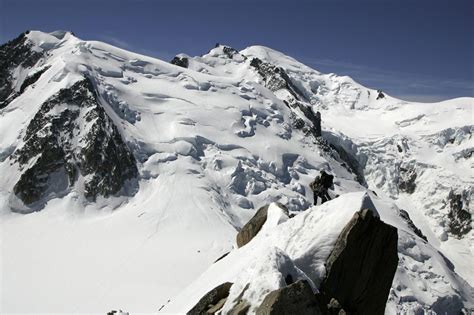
x=213 y=145
x=300 y=246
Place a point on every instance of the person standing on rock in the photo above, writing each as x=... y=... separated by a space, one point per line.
x=320 y=187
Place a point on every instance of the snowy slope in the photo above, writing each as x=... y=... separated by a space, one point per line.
x=392 y=140
x=300 y=247
x=212 y=143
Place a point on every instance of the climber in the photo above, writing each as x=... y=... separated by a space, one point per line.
x=320 y=187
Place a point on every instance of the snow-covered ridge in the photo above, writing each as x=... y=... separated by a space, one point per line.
x=212 y=143
x=300 y=247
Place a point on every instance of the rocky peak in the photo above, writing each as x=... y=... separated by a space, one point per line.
x=72 y=135
x=15 y=53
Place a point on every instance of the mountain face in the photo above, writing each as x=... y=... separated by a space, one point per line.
x=17 y=57
x=70 y=135
x=125 y=177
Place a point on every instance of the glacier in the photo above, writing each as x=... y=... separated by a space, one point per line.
x=213 y=139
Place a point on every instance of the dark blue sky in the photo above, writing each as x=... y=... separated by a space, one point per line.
x=413 y=49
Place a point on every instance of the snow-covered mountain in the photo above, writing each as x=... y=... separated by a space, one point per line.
x=125 y=177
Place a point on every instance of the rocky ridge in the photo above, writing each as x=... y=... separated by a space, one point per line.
x=72 y=136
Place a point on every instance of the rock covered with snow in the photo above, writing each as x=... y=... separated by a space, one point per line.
x=17 y=58
x=296 y=298
x=71 y=136
x=362 y=265
x=212 y=301
x=272 y=213
x=358 y=272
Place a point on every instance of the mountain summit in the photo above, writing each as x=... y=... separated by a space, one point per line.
x=124 y=178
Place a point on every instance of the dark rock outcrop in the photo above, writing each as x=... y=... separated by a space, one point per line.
x=380 y=94
x=314 y=128
x=180 y=61
x=297 y=298
x=460 y=219
x=361 y=267
x=350 y=161
x=335 y=308
x=241 y=306
x=71 y=134
x=329 y=306
x=229 y=51
x=405 y=216
x=32 y=79
x=251 y=228
x=221 y=257
x=276 y=78
x=210 y=302
x=13 y=54
x=317 y=124
x=407 y=180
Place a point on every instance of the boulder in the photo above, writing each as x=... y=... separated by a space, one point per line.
x=240 y=309
x=297 y=298
x=212 y=301
x=251 y=228
x=241 y=305
x=362 y=264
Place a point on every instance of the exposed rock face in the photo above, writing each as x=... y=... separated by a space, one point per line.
x=210 y=302
x=314 y=118
x=460 y=219
x=361 y=267
x=221 y=257
x=359 y=274
x=412 y=225
x=229 y=51
x=180 y=61
x=317 y=124
x=241 y=306
x=334 y=308
x=32 y=79
x=380 y=94
x=15 y=53
x=240 y=309
x=349 y=161
x=251 y=228
x=407 y=180
x=72 y=134
x=276 y=78
x=297 y=298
